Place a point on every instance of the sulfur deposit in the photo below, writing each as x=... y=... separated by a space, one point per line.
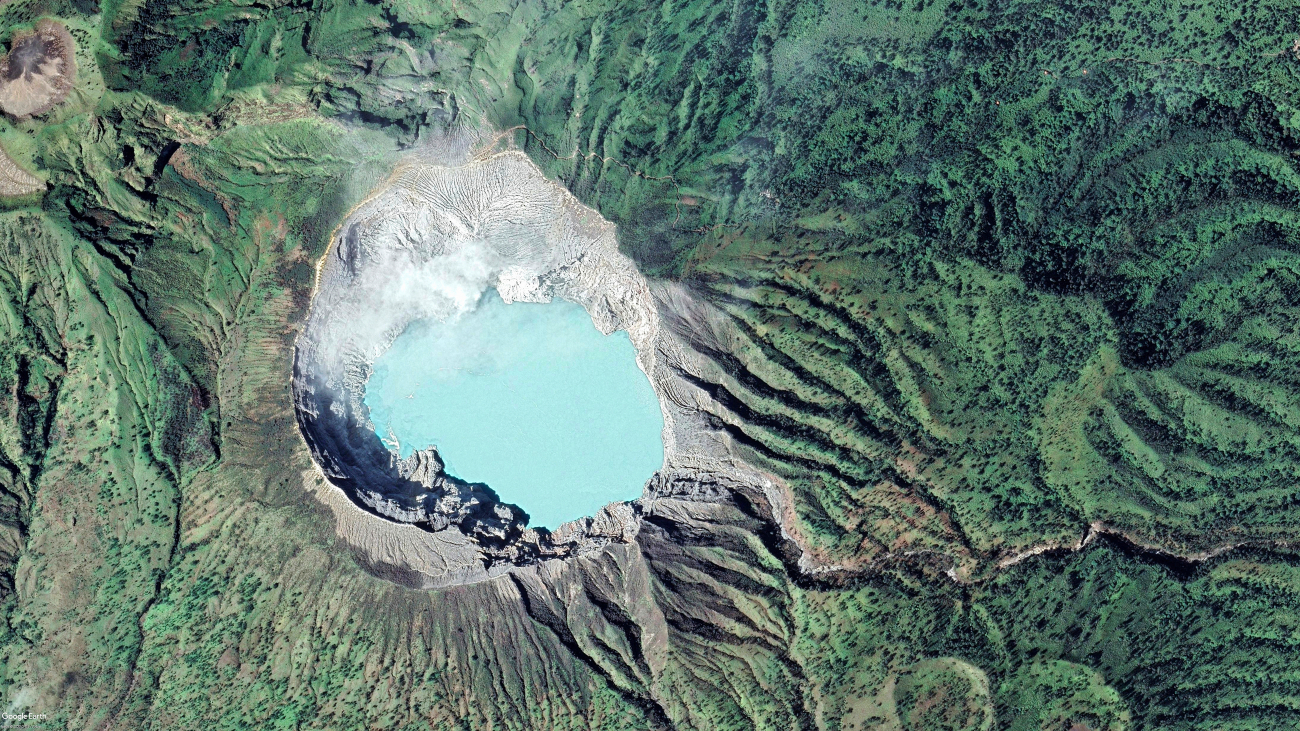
x=428 y=245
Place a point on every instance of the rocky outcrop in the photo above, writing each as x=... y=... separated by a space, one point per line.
x=14 y=181
x=427 y=245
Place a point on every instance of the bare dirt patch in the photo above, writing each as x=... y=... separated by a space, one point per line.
x=38 y=71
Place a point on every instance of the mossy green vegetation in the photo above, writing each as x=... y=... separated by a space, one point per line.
x=1008 y=303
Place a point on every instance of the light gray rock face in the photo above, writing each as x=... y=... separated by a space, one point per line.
x=427 y=245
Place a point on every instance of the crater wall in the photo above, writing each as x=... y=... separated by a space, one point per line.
x=428 y=244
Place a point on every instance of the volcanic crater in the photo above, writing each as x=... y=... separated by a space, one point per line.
x=38 y=72
x=426 y=245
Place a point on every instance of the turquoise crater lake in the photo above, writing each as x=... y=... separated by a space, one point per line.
x=530 y=399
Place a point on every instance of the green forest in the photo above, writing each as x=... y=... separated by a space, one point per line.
x=1009 y=297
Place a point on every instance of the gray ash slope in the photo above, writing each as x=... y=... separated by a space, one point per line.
x=38 y=72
